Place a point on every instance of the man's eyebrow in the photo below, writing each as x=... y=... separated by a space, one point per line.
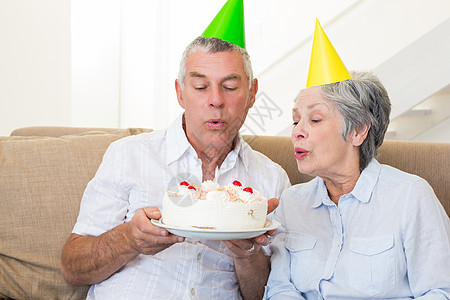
x=232 y=76
x=229 y=77
x=196 y=74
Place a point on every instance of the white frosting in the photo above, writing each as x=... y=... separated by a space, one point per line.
x=217 y=196
x=184 y=190
x=230 y=208
x=232 y=187
x=209 y=185
x=248 y=197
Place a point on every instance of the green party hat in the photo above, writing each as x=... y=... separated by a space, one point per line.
x=228 y=24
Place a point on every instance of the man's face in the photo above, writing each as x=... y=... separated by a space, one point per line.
x=216 y=98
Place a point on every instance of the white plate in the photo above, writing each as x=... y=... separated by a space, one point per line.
x=213 y=234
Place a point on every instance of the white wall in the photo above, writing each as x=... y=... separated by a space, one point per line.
x=439 y=133
x=156 y=33
x=113 y=63
x=96 y=44
x=35 y=72
x=365 y=36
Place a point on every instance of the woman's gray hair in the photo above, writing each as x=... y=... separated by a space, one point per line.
x=213 y=45
x=362 y=100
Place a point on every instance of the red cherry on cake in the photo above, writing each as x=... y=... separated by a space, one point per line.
x=237 y=183
x=191 y=188
x=248 y=190
x=184 y=183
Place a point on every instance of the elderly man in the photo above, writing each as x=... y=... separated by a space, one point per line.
x=115 y=247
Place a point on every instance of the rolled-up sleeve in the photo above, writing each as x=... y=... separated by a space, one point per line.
x=104 y=203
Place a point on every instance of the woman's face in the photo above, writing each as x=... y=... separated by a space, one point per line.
x=320 y=149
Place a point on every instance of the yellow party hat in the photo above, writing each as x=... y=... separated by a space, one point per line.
x=325 y=65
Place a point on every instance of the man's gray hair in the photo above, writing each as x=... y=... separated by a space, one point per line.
x=362 y=100
x=213 y=45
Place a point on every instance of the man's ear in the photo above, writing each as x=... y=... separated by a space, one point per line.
x=359 y=135
x=253 y=91
x=179 y=92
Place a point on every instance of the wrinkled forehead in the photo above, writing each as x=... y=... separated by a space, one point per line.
x=311 y=98
x=308 y=96
x=226 y=64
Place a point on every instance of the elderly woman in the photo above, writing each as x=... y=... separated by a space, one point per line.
x=359 y=229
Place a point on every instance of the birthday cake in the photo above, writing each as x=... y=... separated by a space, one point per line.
x=209 y=206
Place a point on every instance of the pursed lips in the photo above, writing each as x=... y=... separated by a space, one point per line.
x=300 y=152
x=215 y=123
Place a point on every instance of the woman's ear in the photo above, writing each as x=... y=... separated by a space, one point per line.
x=360 y=134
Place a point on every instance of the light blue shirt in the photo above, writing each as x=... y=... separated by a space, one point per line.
x=387 y=239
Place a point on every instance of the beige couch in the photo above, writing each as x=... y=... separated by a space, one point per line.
x=43 y=173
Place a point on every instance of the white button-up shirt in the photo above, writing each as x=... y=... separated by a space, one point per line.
x=387 y=239
x=136 y=172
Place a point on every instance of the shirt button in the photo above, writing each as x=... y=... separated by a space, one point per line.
x=192 y=292
x=199 y=256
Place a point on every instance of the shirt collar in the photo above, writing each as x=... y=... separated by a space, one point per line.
x=237 y=152
x=366 y=181
x=322 y=194
x=362 y=190
x=178 y=144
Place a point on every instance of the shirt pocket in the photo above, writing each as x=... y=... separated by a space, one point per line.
x=300 y=247
x=372 y=264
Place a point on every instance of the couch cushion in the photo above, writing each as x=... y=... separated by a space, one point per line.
x=57 y=131
x=280 y=150
x=428 y=160
x=41 y=183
